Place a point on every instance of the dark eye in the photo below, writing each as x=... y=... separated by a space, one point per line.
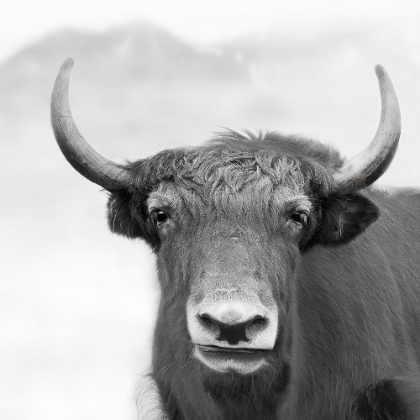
x=158 y=217
x=300 y=218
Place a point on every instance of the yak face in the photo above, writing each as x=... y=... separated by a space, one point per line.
x=235 y=268
x=229 y=222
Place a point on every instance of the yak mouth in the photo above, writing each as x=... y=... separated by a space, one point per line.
x=227 y=359
x=230 y=350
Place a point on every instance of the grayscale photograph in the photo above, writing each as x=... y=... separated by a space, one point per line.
x=211 y=210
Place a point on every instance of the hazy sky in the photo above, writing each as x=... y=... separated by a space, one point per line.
x=203 y=21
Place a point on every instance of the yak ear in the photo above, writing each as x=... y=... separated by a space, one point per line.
x=343 y=217
x=120 y=217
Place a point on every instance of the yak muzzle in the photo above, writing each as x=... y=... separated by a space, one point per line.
x=232 y=330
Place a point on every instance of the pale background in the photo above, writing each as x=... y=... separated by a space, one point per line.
x=77 y=304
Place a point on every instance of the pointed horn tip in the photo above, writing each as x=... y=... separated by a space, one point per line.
x=68 y=62
x=380 y=72
x=61 y=82
x=67 y=66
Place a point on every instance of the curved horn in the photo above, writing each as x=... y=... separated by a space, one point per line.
x=366 y=167
x=83 y=157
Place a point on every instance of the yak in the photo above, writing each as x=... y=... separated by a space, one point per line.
x=290 y=286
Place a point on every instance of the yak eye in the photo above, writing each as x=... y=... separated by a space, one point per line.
x=159 y=217
x=300 y=218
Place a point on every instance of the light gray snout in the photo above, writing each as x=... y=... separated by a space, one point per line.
x=233 y=319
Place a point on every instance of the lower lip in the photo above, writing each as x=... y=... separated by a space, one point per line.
x=243 y=361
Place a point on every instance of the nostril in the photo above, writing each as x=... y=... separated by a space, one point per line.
x=209 y=323
x=255 y=325
x=258 y=320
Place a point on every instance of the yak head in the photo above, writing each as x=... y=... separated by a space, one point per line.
x=229 y=222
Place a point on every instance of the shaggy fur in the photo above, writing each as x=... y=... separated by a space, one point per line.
x=348 y=343
x=232 y=160
x=222 y=168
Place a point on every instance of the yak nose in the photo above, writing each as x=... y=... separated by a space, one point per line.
x=231 y=327
x=233 y=320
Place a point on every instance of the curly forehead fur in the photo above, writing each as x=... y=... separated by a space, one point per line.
x=233 y=160
x=232 y=174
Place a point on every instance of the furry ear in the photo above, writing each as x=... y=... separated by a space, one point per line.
x=343 y=217
x=120 y=218
x=127 y=217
